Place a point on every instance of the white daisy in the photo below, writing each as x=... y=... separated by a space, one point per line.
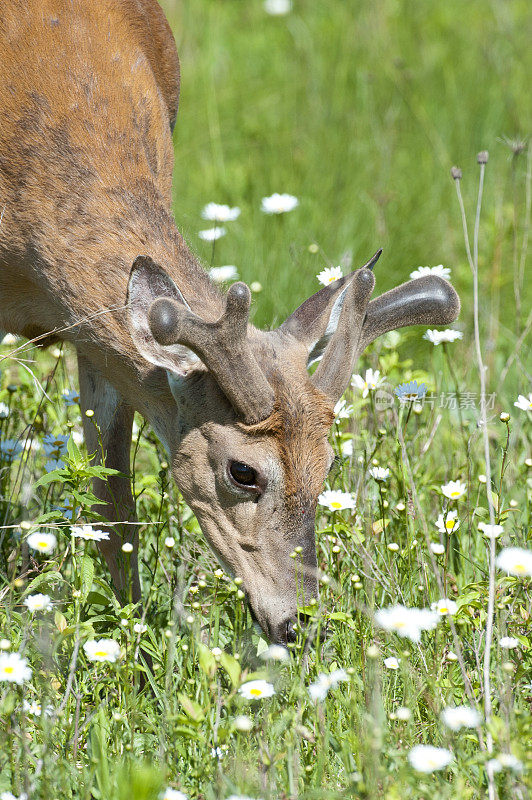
x=371 y=381
x=490 y=531
x=336 y=500
x=14 y=668
x=169 y=542
x=516 y=561
x=38 y=602
x=380 y=474
x=243 y=723
x=403 y=714
x=256 y=690
x=212 y=234
x=275 y=652
x=102 y=650
x=440 y=270
x=222 y=274
x=453 y=490
x=448 y=523
x=140 y=627
x=342 y=410
x=42 y=542
x=437 y=337
x=407 y=622
x=329 y=275
x=319 y=689
x=279 y=203
x=173 y=794
x=524 y=403
x=220 y=213
x=392 y=662
x=437 y=548
x=346 y=448
x=445 y=607
x=460 y=717
x=425 y=758
x=509 y=642
x=277 y=8
x=89 y=533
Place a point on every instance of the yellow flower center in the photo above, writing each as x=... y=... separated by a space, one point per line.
x=444 y=610
x=456 y=493
x=520 y=568
x=9 y=670
x=450 y=524
x=100 y=653
x=255 y=692
x=336 y=504
x=42 y=544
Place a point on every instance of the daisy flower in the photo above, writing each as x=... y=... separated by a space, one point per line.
x=425 y=758
x=392 y=662
x=509 y=642
x=277 y=8
x=342 y=410
x=524 y=403
x=336 y=500
x=220 y=213
x=212 y=234
x=440 y=271
x=448 y=523
x=410 y=392
x=173 y=794
x=279 y=203
x=453 y=490
x=222 y=274
x=38 y=602
x=437 y=548
x=14 y=668
x=515 y=561
x=102 y=650
x=490 y=531
x=42 y=542
x=445 y=607
x=407 y=622
x=54 y=464
x=70 y=398
x=275 y=652
x=437 y=337
x=371 y=381
x=10 y=449
x=55 y=445
x=380 y=474
x=243 y=723
x=319 y=689
x=256 y=690
x=329 y=275
x=89 y=533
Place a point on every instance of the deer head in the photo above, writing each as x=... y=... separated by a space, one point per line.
x=250 y=451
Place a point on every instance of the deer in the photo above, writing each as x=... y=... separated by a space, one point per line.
x=90 y=254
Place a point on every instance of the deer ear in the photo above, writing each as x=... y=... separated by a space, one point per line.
x=148 y=282
x=316 y=320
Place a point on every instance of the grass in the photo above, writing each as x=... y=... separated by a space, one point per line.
x=359 y=112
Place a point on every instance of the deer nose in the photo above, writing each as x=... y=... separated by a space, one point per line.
x=291 y=633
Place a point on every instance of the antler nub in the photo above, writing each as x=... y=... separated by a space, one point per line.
x=223 y=347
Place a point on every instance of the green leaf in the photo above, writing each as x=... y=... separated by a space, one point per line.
x=232 y=667
x=87 y=575
x=207 y=661
x=54 y=475
x=191 y=708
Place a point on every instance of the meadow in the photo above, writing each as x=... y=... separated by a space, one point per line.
x=419 y=681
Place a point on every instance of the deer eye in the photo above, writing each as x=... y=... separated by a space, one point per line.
x=243 y=474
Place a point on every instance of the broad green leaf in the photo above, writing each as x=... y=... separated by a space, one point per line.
x=87 y=575
x=191 y=707
x=232 y=667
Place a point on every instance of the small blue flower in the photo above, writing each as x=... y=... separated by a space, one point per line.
x=54 y=464
x=409 y=392
x=10 y=449
x=71 y=398
x=55 y=446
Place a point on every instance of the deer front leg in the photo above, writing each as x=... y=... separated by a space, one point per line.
x=115 y=420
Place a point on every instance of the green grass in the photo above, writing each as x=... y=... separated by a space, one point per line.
x=358 y=109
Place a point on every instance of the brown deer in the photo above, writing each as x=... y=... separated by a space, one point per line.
x=89 y=251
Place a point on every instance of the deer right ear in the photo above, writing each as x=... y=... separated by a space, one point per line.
x=148 y=282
